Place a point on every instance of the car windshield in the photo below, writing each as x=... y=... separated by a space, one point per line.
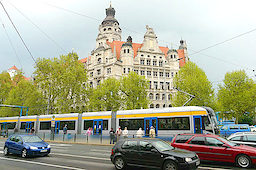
x=227 y=142
x=31 y=139
x=162 y=146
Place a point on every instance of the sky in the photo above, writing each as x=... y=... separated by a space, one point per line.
x=51 y=28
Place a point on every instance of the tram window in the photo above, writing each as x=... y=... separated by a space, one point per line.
x=11 y=125
x=45 y=125
x=174 y=123
x=105 y=124
x=70 y=125
x=23 y=125
x=131 y=124
x=87 y=124
x=205 y=121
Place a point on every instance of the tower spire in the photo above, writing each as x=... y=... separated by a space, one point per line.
x=110 y=4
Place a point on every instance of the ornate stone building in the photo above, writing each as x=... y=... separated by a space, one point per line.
x=115 y=58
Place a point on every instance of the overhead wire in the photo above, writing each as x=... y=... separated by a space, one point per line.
x=9 y=39
x=39 y=28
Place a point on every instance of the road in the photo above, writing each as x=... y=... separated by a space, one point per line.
x=77 y=157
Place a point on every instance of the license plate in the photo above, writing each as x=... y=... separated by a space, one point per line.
x=197 y=163
x=44 y=150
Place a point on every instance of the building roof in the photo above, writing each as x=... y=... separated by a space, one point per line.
x=13 y=68
x=117 y=45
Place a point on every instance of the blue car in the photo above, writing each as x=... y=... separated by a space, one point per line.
x=26 y=145
x=229 y=129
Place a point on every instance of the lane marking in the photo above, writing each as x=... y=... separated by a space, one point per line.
x=41 y=163
x=98 y=150
x=62 y=145
x=81 y=156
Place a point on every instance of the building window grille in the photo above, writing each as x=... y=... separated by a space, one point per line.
x=151 y=96
x=142 y=72
x=157 y=96
x=142 y=62
x=154 y=63
x=160 y=63
x=99 y=72
x=108 y=70
x=161 y=74
x=155 y=84
x=149 y=73
x=162 y=85
x=154 y=73
x=148 y=62
x=167 y=75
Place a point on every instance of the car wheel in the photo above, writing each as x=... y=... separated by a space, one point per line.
x=243 y=161
x=6 y=151
x=24 y=153
x=120 y=163
x=170 y=165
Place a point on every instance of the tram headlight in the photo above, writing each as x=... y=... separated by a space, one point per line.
x=188 y=159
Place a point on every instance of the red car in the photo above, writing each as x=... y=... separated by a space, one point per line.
x=214 y=148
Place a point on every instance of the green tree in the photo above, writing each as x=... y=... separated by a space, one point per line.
x=193 y=80
x=134 y=89
x=106 y=96
x=237 y=95
x=25 y=93
x=5 y=85
x=63 y=82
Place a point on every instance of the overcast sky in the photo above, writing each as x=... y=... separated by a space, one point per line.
x=201 y=23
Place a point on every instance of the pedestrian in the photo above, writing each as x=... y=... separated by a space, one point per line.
x=32 y=130
x=125 y=132
x=89 y=131
x=118 y=133
x=112 y=136
x=139 y=133
x=65 y=129
x=152 y=132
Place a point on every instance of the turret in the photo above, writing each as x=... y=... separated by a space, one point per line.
x=127 y=53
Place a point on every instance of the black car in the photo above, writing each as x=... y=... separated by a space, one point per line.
x=152 y=153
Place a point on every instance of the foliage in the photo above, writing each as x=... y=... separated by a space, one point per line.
x=5 y=86
x=237 y=95
x=25 y=93
x=134 y=89
x=63 y=82
x=106 y=96
x=247 y=118
x=193 y=80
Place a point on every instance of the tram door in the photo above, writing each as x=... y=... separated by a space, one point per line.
x=148 y=122
x=57 y=127
x=97 y=126
x=198 y=124
x=28 y=126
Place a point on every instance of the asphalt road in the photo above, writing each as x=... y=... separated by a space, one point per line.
x=77 y=157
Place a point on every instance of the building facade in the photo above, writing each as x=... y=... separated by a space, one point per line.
x=113 y=57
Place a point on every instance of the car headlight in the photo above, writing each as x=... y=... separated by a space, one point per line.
x=188 y=159
x=32 y=147
x=49 y=146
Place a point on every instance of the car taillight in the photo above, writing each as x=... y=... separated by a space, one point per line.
x=112 y=152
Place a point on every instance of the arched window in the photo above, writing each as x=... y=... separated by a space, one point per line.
x=128 y=50
x=157 y=105
x=174 y=56
x=124 y=50
x=104 y=29
x=151 y=106
x=157 y=96
x=164 y=106
x=109 y=29
x=171 y=56
x=150 y=96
